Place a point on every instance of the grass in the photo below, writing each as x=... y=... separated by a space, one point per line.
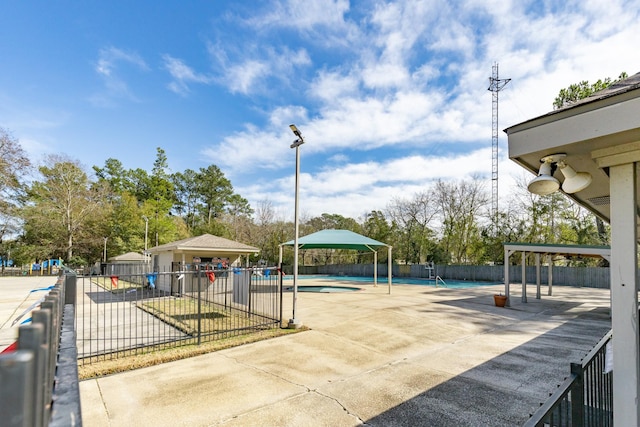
x=182 y=314
x=127 y=363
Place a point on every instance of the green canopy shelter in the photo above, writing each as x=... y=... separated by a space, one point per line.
x=344 y=239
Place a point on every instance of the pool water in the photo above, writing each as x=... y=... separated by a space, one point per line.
x=454 y=284
x=325 y=289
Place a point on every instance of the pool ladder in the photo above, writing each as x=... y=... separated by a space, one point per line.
x=444 y=284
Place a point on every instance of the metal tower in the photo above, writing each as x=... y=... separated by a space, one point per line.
x=495 y=86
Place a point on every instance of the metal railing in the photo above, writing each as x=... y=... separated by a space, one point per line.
x=125 y=315
x=585 y=398
x=39 y=381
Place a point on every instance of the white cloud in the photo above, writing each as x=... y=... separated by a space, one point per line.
x=182 y=75
x=357 y=188
x=302 y=15
x=109 y=66
x=251 y=68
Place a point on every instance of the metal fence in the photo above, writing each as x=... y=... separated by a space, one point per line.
x=39 y=381
x=585 y=398
x=131 y=314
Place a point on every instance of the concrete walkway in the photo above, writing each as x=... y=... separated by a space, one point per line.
x=421 y=356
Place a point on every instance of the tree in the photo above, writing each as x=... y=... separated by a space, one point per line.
x=460 y=206
x=114 y=175
x=61 y=206
x=186 y=188
x=214 y=191
x=378 y=228
x=414 y=221
x=269 y=231
x=578 y=91
x=14 y=165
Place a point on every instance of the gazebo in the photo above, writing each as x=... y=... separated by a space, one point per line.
x=548 y=250
x=344 y=239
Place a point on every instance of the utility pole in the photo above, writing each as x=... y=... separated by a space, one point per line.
x=495 y=86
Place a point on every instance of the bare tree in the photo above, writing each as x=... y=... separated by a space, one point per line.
x=461 y=204
x=414 y=219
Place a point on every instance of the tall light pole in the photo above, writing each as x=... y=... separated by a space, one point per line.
x=294 y=322
x=104 y=254
x=146 y=232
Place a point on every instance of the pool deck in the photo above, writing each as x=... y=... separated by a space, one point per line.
x=420 y=356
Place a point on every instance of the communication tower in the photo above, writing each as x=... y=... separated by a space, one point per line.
x=495 y=86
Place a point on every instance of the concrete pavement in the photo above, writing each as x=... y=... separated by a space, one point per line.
x=15 y=298
x=421 y=356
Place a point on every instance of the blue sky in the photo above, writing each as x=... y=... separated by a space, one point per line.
x=389 y=95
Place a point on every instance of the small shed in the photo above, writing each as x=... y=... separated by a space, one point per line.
x=182 y=254
x=129 y=258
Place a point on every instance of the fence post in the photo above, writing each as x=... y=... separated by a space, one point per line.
x=70 y=280
x=280 y=280
x=16 y=393
x=577 y=395
x=43 y=318
x=199 y=308
x=31 y=338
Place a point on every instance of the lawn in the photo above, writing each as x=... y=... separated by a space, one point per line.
x=182 y=314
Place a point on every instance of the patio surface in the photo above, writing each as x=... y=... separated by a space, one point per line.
x=421 y=356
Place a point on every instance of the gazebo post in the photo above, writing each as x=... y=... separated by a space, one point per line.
x=524 y=276
x=537 y=275
x=389 y=267
x=507 y=254
x=550 y=273
x=375 y=268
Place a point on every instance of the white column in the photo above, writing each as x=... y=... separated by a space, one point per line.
x=550 y=274
x=537 y=275
x=389 y=268
x=375 y=268
x=524 y=276
x=624 y=294
x=507 y=254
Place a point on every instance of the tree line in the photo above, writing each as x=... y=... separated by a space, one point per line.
x=64 y=212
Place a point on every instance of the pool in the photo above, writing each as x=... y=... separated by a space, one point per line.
x=325 y=289
x=453 y=284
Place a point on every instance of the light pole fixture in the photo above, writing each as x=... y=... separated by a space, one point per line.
x=294 y=322
x=545 y=183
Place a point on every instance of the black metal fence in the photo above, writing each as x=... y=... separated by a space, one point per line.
x=585 y=398
x=131 y=314
x=39 y=381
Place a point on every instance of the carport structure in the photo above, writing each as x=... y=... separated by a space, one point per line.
x=549 y=251
x=600 y=135
x=344 y=239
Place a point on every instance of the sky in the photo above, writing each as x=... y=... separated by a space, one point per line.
x=390 y=96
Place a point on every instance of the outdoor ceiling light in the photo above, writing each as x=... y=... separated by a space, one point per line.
x=545 y=183
x=573 y=181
